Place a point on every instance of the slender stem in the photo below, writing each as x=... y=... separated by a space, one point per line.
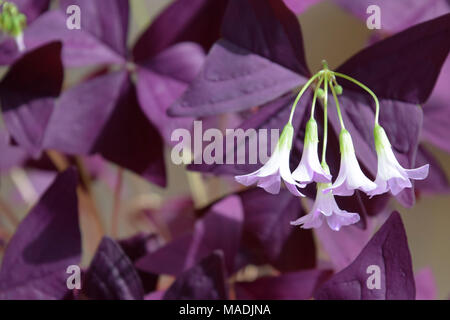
x=377 y=103
x=325 y=118
x=313 y=107
x=306 y=86
x=337 y=105
x=116 y=205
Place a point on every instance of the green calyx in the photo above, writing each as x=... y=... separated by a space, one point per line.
x=311 y=132
x=345 y=142
x=12 y=21
x=380 y=137
x=286 y=137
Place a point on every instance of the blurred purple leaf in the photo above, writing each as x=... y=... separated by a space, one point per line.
x=103 y=116
x=196 y=21
x=288 y=286
x=219 y=229
x=204 y=281
x=111 y=275
x=259 y=59
x=405 y=66
x=268 y=237
x=27 y=95
x=46 y=242
x=388 y=250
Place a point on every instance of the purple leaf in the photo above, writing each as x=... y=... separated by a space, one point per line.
x=196 y=20
x=103 y=116
x=268 y=237
x=218 y=229
x=398 y=15
x=46 y=242
x=267 y=28
x=111 y=275
x=204 y=281
x=259 y=59
x=426 y=288
x=388 y=250
x=405 y=66
x=162 y=80
x=288 y=286
x=234 y=79
x=27 y=95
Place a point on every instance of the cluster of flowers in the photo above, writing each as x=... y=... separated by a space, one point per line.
x=391 y=176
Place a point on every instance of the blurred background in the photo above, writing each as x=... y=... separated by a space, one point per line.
x=330 y=33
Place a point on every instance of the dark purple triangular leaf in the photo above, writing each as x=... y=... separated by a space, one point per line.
x=387 y=250
x=46 y=242
x=259 y=59
x=27 y=95
x=405 y=66
x=196 y=20
x=103 y=116
x=111 y=275
x=204 y=281
x=268 y=237
x=288 y=286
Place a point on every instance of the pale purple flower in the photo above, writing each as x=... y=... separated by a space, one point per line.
x=269 y=176
x=326 y=208
x=309 y=168
x=350 y=175
x=391 y=175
